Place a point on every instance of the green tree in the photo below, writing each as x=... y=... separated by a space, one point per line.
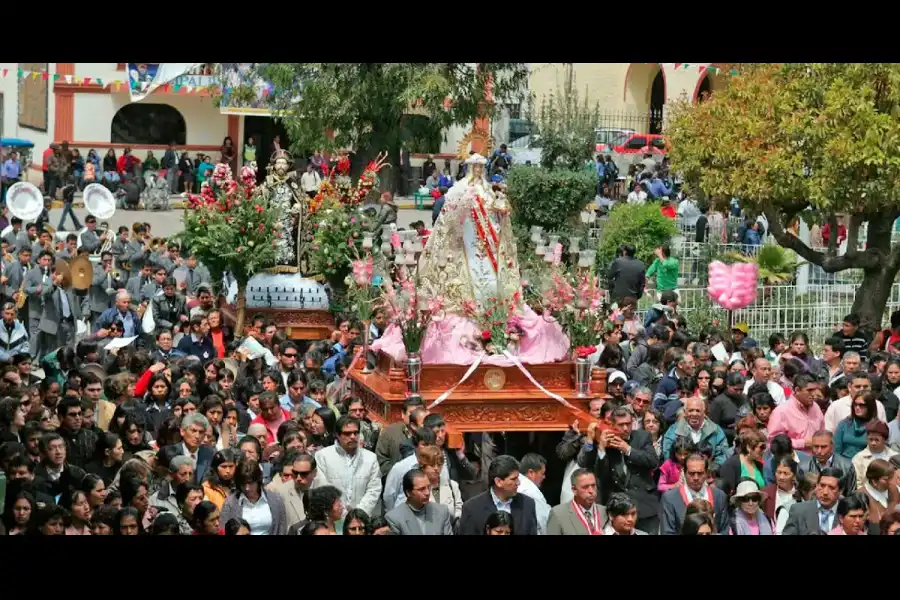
x=566 y=126
x=807 y=140
x=371 y=107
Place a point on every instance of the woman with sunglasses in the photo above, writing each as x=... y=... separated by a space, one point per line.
x=748 y=517
x=12 y=418
x=850 y=436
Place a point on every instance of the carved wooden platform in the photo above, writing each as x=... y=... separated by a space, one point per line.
x=492 y=399
x=296 y=324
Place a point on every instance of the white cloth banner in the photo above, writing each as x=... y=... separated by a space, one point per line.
x=516 y=362
x=468 y=374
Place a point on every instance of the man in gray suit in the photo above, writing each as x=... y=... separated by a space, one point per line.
x=61 y=309
x=13 y=236
x=15 y=275
x=820 y=515
x=138 y=282
x=36 y=281
x=90 y=241
x=581 y=516
x=103 y=280
x=674 y=502
x=418 y=516
x=823 y=456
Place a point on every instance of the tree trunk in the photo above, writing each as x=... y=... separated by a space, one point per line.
x=241 y=311
x=872 y=295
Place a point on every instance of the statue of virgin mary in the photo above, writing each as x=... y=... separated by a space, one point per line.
x=470 y=259
x=471 y=253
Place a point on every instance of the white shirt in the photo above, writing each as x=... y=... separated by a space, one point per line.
x=775 y=390
x=696 y=434
x=880 y=497
x=637 y=197
x=309 y=182
x=193 y=455
x=541 y=509
x=841 y=409
x=257 y=514
x=393 y=485
x=499 y=504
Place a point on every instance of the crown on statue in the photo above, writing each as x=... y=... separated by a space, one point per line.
x=281 y=153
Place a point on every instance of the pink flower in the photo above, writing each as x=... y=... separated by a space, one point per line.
x=395 y=240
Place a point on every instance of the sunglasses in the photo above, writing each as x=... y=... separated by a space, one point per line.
x=752 y=498
x=286 y=355
x=302 y=473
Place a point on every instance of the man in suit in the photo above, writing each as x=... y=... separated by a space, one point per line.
x=820 y=515
x=103 y=280
x=306 y=476
x=625 y=463
x=136 y=251
x=15 y=274
x=90 y=241
x=418 y=516
x=119 y=249
x=195 y=276
x=674 y=501
x=54 y=475
x=388 y=447
x=503 y=475
x=61 y=309
x=581 y=516
x=13 y=236
x=170 y=309
x=193 y=428
x=136 y=283
x=36 y=279
x=823 y=456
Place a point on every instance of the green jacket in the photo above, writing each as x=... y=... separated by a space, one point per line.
x=666 y=272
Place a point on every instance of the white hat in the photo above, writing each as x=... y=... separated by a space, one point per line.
x=616 y=375
x=476 y=159
x=745 y=488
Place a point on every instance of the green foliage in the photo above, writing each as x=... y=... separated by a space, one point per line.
x=337 y=241
x=364 y=105
x=777 y=265
x=642 y=226
x=232 y=234
x=566 y=127
x=549 y=198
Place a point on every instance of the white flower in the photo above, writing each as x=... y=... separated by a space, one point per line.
x=328 y=211
x=250 y=244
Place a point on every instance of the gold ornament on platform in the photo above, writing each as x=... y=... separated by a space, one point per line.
x=494 y=379
x=476 y=134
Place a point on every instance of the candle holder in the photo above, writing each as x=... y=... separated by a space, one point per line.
x=368 y=240
x=574 y=242
x=537 y=233
x=540 y=250
x=587 y=258
x=548 y=257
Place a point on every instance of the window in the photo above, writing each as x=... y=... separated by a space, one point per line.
x=659 y=142
x=637 y=142
x=145 y=124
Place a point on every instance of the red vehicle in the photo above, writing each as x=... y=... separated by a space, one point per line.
x=637 y=142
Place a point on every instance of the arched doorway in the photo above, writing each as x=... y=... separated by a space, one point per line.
x=657 y=101
x=145 y=123
x=645 y=96
x=704 y=89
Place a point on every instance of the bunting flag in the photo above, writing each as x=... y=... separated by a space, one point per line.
x=711 y=69
x=115 y=84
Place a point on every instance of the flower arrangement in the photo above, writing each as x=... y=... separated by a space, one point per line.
x=362 y=289
x=410 y=312
x=336 y=241
x=578 y=304
x=231 y=228
x=500 y=323
x=337 y=186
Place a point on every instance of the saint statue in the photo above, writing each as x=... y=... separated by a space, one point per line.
x=284 y=194
x=471 y=253
x=470 y=264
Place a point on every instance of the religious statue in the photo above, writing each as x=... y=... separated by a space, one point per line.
x=471 y=253
x=284 y=194
x=470 y=268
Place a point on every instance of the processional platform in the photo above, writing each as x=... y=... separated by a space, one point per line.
x=492 y=398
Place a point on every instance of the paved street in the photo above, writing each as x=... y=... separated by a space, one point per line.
x=166 y=223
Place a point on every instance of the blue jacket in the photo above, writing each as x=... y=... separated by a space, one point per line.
x=666 y=399
x=13 y=342
x=111 y=315
x=658 y=189
x=710 y=434
x=203 y=349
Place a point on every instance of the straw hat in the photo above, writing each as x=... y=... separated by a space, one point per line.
x=746 y=488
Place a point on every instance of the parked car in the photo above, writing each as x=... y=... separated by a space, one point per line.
x=526 y=149
x=635 y=142
x=606 y=138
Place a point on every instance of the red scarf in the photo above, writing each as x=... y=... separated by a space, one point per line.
x=484 y=229
x=579 y=512
x=687 y=500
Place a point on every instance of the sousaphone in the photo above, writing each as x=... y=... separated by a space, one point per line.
x=99 y=202
x=25 y=201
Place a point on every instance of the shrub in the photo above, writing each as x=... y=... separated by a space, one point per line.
x=642 y=226
x=549 y=198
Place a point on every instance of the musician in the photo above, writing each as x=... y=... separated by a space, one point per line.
x=196 y=275
x=70 y=252
x=154 y=289
x=13 y=235
x=90 y=241
x=135 y=285
x=170 y=309
x=13 y=335
x=5 y=255
x=28 y=237
x=118 y=249
x=61 y=308
x=15 y=275
x=136 y=252
x=122 y=311
x=103 y=280
x=169 y=256
x=45 y=242
x=36 y=280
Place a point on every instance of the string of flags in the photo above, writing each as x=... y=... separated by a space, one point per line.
x=115 y=84
x=711 y=69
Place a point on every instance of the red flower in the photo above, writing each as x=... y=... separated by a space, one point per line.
x=259 y=208
x=585 y=351
x=486 y=335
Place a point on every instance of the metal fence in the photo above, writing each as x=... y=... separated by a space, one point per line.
x=641 y=122
x=779 y=309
